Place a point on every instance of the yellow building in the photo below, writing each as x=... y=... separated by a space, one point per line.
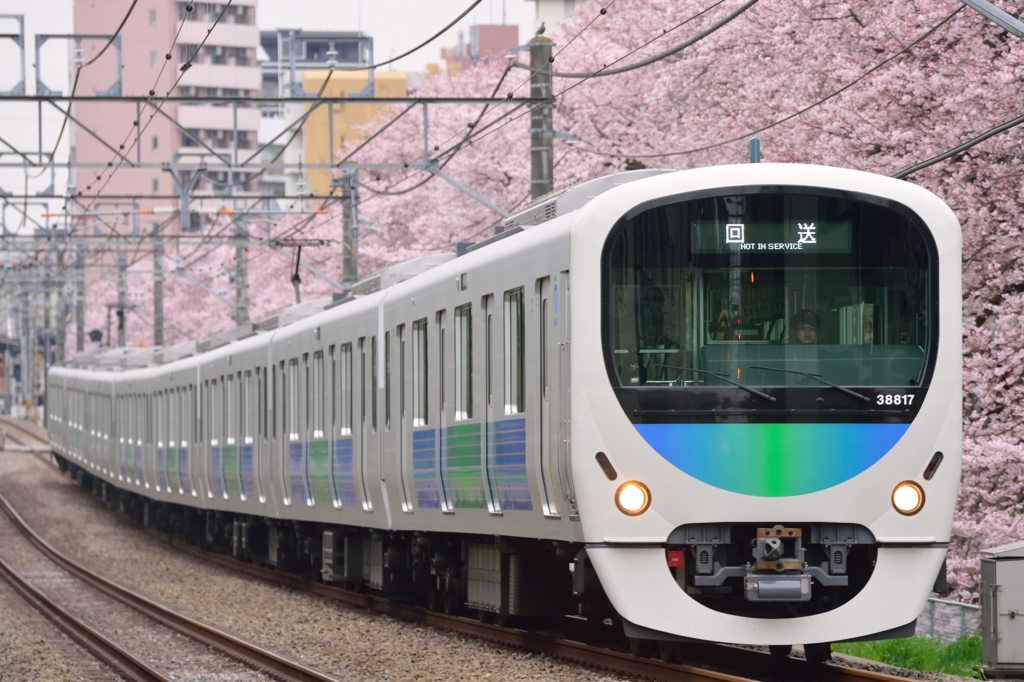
x=349 y=119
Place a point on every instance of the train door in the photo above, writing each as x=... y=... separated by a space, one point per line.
x=442 y=415
x=404 y=428
x=247 y=445
x=488 y=439
x=562 y=320
x=548 y=436
x=259 y=448
x=364 y=427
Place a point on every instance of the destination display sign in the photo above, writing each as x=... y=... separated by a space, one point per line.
x=809 y=236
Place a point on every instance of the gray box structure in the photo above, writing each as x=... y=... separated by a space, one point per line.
x=1002 y=611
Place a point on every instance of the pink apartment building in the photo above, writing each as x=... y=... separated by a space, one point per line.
x=224 y=67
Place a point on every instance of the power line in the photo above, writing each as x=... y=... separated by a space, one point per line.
x=991 y=132
x=616 y=61
x=780 y=121
x=658 y=57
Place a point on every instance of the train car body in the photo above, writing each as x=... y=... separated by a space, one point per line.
x=705 y=435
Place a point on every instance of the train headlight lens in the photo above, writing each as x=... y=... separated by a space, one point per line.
x=908 y=498
x=633 y=498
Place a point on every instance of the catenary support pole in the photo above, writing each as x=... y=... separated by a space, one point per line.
x=349 y=229
x=241 y=271
x=122 y=297
x=158 y=286
x=541 y=119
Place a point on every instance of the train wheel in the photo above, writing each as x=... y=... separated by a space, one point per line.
x=641 y=648
x=669 y=652
x=780 y=650
x=451 y=602
x=818 y=653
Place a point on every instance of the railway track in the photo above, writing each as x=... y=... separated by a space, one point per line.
x=19 y=437
x=574 y=642
x=710 y=661
x=117 y=656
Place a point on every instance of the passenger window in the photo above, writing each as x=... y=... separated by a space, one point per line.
x=318 y=394
x=463 y=362
x=515 y=352
x=373 y=383
x=419 y=373
x=346 y=389
x=387 y=381
x=247 y=409
x=292 y=400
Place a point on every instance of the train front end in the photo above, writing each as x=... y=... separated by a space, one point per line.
x=766 y=425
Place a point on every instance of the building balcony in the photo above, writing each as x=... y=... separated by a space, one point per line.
x=224 y=34
x=210 y=117
x=222 y=76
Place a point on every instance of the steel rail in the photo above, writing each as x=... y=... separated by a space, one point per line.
x=105 y=650
x=251 y=654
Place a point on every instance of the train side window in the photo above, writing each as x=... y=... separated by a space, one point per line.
x=362 y=384
x=441 y=367
x=292 y=400
x=216 y=406
x=334 y=390
x=346 y=388
x=419 y=373
x=261 y=404
x=464 y=362
x=247 y=409
x=231 y=420
x=273 y=399
x=204 y=411
x=488 y=353
x=515 y=352
x=387 y=381
x=318 y=394
x=373 y=383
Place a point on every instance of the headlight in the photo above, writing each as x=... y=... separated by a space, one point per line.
x=908 y=498
x=633 y=498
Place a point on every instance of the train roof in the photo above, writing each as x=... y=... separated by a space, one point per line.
x=542 y=210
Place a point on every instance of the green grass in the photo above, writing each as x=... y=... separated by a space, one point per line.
x=921 y=653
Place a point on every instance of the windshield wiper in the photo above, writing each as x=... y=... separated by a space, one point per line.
x=816 y=377
x=721 y=376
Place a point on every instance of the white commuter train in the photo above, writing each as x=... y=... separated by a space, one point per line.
x=740 y=424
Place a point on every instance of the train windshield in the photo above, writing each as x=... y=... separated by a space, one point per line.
x=794 y=288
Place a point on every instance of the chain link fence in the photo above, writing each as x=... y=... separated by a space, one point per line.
x=947 y=620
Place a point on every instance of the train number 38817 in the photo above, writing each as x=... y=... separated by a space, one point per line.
x=892 y=399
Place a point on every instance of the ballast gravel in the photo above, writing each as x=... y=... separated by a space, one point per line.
x=345 y=642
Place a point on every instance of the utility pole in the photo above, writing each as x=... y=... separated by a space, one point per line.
x=80 y=293
x=541 y=118
x=158 y=287
x=122 y=295
x=28 y=344
x=241 y=271
x=349 y=229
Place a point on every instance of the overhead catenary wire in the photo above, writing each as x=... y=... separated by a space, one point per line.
x=745 y=136
x=655 y=58
x=616 y=61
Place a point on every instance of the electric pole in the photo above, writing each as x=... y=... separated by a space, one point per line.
x=122 y=295
x=241 y=271
x=541 y=118
x=158 y=287
x=349 y=229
